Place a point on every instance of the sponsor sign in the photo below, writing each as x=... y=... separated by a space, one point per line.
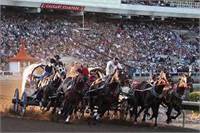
x=61 y=7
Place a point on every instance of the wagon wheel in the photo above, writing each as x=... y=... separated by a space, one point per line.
x=99 y=72
x=37 y=71
x=15 y=100
x=23 y=104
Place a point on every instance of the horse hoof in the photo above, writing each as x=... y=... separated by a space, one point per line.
x=59 y=112
x=134 y=123
x=67 y=120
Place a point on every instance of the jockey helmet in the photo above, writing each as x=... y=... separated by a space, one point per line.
x=52 y=61
x=57 y=57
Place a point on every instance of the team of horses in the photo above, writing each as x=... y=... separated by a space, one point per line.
x=65 y=96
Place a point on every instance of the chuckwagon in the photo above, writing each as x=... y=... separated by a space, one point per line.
x=30 y=86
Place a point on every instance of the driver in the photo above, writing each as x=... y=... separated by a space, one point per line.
x=57 y=60
x=111 y=66
x=48 y=70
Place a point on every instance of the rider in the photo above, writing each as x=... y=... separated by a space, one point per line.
x=57 y=60
x=85 y=72
x=152 y=79
x=111 y=66
x=48 y=69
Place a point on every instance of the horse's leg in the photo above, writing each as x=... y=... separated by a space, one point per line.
x=65 y=111
x=108 y=113
x=152 y=116
x=178 y=109
x=74 y=113
x=131 y=112
x=135 y=113
x=54 y=108
x=102 y=110
x=82 y=108
x=86 y=106
x=155 y=109
x=48 y=105
x=69 y=113
x=168 y=113
x=115 y=114
x=91 y=105
x=145 y=113
x=140 y=111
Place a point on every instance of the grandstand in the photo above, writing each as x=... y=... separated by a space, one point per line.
x=147 y=38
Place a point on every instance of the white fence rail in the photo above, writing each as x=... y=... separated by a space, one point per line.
x=189 y=105
x=6 y=75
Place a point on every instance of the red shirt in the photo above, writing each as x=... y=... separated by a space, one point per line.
x=85 y=71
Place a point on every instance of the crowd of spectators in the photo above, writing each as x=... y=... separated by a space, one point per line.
x=165 y=3
x=146 y=46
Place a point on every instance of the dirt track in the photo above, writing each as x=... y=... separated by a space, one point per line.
x=42 y=125
x=9 y=124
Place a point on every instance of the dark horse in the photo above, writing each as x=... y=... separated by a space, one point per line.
x=148 y=98
x=173 y=98
x=72 y=96
x=106 y=97
x=48 y=92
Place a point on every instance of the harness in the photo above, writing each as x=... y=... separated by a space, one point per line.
x=177 y=95
x=155 y=93
x=143 y=90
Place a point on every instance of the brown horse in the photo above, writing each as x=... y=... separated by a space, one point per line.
x=149 y=98
x=173 y=98
x=104 y=94
x=73 y=94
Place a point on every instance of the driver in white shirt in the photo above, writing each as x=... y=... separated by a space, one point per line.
x=112 y=66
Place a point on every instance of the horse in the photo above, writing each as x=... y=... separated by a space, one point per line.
x=105 y=93
x=173 y=98
x=72 y=91
x=148 y=98
x=48 y=91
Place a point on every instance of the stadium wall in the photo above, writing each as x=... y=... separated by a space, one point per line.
x=113 y=6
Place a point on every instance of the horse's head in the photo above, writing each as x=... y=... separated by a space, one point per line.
x=182 y=84
x=162 y=80
x=79 y=82
x=118 y=76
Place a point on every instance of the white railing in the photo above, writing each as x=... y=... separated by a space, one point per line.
x=8 y=73
x=192 y=105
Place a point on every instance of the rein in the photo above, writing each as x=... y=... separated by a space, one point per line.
x=155 y=93
x=176 y=94
x=143 y=90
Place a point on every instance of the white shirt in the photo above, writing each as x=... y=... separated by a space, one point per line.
x=110 y=67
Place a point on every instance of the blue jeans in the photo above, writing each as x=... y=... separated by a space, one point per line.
x=45 y=74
